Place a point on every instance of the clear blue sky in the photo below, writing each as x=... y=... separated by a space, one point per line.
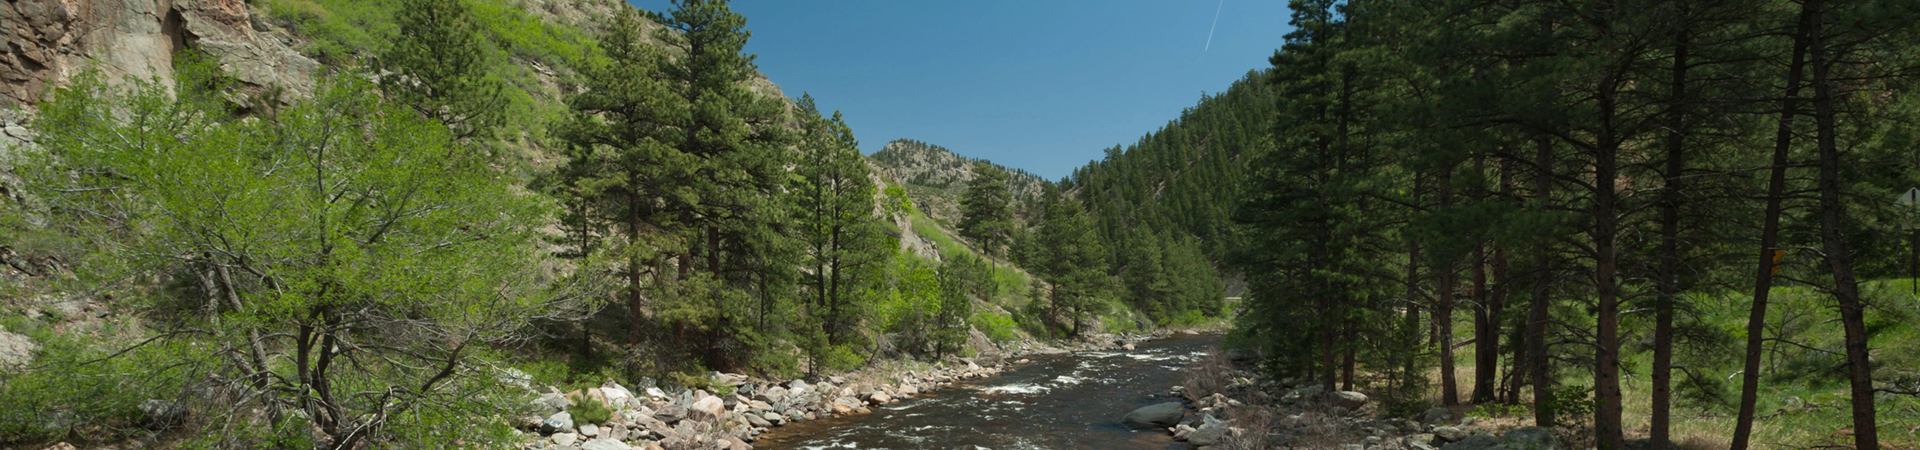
x=1042 y=85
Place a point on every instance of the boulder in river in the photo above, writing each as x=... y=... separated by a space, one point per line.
x=1156 y=416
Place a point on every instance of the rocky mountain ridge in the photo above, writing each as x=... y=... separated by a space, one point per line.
x=936 y=177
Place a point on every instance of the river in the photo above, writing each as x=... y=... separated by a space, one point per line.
x=1054 y=402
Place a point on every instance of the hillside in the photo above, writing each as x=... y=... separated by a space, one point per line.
x=937 y=177
x=515 y=271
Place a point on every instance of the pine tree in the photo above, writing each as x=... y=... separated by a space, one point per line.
x=1074 y=262
x=440 y=66
x=847 y=249
x=986 y=216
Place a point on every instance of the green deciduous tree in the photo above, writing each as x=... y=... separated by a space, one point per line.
x=352 y=260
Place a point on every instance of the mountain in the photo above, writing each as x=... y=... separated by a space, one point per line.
x=935 y=177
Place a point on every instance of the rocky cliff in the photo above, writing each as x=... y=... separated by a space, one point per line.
x=49 y=41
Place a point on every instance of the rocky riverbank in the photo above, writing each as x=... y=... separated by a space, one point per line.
x=735 y=410
x=1223 y=406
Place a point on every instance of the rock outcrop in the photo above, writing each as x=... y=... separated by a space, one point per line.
x=50 y=41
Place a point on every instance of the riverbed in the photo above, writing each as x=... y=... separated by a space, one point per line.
x=1055 y=402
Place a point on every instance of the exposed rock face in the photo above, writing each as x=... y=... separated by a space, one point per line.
x=49 y=41
x=15 y=350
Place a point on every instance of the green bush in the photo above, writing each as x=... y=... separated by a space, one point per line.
x=997 y=327
x=590 y=411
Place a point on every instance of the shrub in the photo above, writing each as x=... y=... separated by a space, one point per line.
x=590 y=411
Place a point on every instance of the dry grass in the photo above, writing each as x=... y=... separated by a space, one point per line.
x=1255 y=423
x=1211 y=374
x=1818 y=424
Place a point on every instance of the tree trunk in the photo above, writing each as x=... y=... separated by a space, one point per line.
x=1486 y=328
x=1539 y=366
x=1607 y=428
x=1501 y=294
x=1443 y=308
x=1668 y=282
x=1833 y=216
x=1770 y=237
x=1486 y=335
x=1346 y=376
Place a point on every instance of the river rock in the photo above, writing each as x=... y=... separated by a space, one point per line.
x=670 y=414
x=707 y=409
x=879 y=398
x=774 y=394
x=589 y=431
x=552 y=402
x=1349 y=399
x=729 y=379
x=565 y=439
x=758 y=421
x=1207 y=435
x=1533 y=438
x=604 y=444
x=560 y=421
x=1156 y=416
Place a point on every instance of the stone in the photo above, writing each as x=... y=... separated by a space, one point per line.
x=670 y=414
x=1352 y=447
x=1437 y=415
x=552 y=402
x=615 y=395
x=161 y=414
x=565 y=439
x=16 y=350
x=1160 y=415
x=1474 y=442
x=560 y=421
x=879 y=398
x=729 y=379
x=1205 y=436
x=1349 y=399
x=589 y=431
x=774 y=394
x=604 y=444
x=1444 y=435
x=707 y=409
x=758 y=421
x=1533 y=438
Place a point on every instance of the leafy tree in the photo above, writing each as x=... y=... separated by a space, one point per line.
x=353 y=261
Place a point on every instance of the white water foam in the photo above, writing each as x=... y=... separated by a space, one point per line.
x=1022 y=388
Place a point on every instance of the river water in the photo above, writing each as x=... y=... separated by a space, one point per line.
x=1055 y=402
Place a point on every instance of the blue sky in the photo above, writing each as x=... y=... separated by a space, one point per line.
x=1042 y=85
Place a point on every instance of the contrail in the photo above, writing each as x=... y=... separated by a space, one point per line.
x=1216 y=24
